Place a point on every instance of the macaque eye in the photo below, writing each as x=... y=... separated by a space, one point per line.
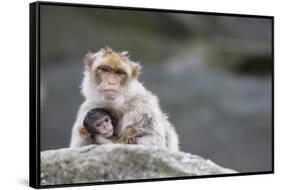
x=98 y=125
x=104 y=69
x=106 y=120
x=119 y=72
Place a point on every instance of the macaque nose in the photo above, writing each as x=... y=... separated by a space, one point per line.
x=111 y=80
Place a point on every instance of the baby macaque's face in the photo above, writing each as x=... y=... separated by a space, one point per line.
x=104 y=126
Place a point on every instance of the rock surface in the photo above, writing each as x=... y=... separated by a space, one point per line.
x=98 y=163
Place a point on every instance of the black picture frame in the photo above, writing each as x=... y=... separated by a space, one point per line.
x=34 y=97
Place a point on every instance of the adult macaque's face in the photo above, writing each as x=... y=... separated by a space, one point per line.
x=104 y=126
x=110 y=81
x=111 y=72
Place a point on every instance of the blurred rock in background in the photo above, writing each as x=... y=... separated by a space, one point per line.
x=212 y=74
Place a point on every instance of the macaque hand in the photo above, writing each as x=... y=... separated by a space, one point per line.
x=131 y=140
x=137 y=131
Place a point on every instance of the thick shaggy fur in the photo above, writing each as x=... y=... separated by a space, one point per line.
x=135 y=106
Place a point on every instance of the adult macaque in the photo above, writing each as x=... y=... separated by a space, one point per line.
x=99 y=126
x=111 y=82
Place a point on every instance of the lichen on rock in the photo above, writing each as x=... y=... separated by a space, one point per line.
x=99 y=163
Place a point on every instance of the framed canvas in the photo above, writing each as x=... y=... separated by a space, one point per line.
x=121 y=95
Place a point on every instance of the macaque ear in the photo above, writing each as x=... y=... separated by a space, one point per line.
x=89 y=60
x=136 y=70
x=83 y=132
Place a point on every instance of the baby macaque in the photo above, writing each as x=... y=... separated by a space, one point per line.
x=99 y=128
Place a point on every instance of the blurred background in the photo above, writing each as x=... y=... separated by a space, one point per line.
x=212 y=74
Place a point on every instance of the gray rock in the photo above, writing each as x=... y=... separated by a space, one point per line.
x=98 y=163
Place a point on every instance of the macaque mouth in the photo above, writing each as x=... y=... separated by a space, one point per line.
x=109 y=90
x=108 y=132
